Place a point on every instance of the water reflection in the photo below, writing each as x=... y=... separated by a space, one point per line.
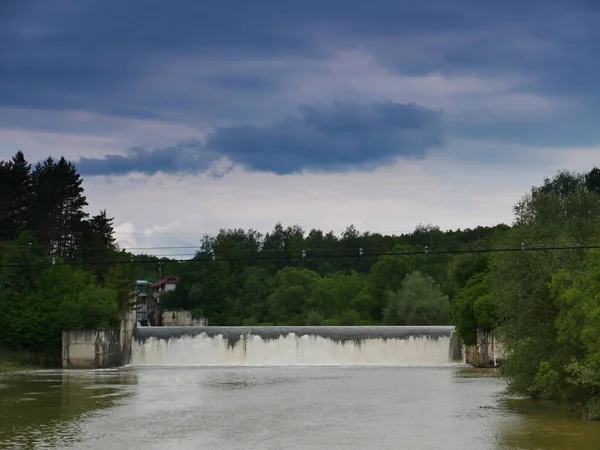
x=530 y=425
x=45 y=407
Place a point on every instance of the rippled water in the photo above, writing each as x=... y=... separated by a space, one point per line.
x=277 y=408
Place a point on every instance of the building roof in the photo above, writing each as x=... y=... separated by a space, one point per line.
x=163 y=281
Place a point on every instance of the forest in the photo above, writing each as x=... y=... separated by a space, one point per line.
x=534 y=282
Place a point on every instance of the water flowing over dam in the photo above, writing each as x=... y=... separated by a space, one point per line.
x=303 y=346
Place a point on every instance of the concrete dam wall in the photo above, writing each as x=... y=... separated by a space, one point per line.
x=98 y=349
x=282 y=346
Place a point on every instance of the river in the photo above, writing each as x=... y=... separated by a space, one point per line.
x=265 y=408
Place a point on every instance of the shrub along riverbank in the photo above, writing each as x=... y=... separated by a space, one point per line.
x=15 y=362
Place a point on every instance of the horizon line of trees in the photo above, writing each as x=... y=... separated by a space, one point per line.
x=544 y=306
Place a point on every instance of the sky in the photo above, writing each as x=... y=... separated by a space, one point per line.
x=185 y=117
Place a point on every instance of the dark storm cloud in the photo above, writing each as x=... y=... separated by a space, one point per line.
x=132 y=113
x=187 y=156
x=88 y=55
x=242 y=82
x=320 y=138
x=56 y=53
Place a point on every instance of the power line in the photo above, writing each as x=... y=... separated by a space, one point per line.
x=437 y=242
x=357 y=254
x=391 y=233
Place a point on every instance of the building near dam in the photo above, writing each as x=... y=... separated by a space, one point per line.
x=146 y=298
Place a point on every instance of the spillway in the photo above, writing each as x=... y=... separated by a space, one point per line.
x=287 y=346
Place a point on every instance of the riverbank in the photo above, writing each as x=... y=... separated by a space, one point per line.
x=9 y=366
x=479 y=372
x=16 y=362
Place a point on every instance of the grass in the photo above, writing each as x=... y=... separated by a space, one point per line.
x=9 y=366
x=474 y=372
x=15 y=362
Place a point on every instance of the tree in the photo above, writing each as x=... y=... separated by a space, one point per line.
x=120 y=279
x=15 y=196
x=419 y=301
x=43 y=225
x=387 y=274
x=561 y=215
x=94 y=307
x=59 y=298
x=291 y=289
x=57 y=214
x=339 y=294
x=219 y=288
x=463 y=268
x=253 y=294
x=97 y=243
x=314 y=319
x=592 y=180
x=474 y=309
x=572 y=374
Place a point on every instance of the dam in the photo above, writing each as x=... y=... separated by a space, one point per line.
x=295 y=346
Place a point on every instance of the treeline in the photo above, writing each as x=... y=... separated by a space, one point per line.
x=291 y=277
x=43 y=224
x=545 y=306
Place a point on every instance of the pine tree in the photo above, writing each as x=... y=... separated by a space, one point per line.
x=57 y=215
x=97 y=242
x=15 y=196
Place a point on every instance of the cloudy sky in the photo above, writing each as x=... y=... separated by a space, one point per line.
x=189 y=116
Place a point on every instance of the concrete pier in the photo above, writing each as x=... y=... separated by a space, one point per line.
x=487 y=353
x=98 y=349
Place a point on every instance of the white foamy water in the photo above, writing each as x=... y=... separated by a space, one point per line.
x=286 y=350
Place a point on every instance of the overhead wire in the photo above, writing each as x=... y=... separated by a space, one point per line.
x=438 y=241
x=357 y=254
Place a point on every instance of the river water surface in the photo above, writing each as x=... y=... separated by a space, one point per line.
x=277 y=408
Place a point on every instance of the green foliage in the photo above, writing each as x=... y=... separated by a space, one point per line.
x=119 y=278
x=547 y=302
x=462 y=269
x=572 y=375
x=419 y=301
x=94 y=307
x=60 y=298
x=387 y=274
x=314 y=319
x=240 y=277
x=231 y=289
x=291 y=290
x=474 y=308
x=519 y=280
x=42 y=219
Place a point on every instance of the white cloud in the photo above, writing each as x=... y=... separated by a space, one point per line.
x=165 y=210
